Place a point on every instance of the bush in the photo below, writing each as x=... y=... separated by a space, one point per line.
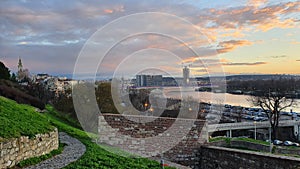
x=4 y=72
x=7 y=90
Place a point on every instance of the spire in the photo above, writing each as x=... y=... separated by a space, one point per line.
x=20 y=65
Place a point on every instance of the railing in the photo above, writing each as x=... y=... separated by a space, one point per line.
x=248 y=125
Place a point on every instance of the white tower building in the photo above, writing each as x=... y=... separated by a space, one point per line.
x=186 y=75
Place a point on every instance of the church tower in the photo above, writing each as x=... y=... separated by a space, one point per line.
x=20 y=66
x=20 y=75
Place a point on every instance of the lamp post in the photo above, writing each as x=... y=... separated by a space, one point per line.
x=270 y=139
x=254 y=130
x=151 y=111
x=145 y=106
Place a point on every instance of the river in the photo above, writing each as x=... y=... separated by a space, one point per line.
x=217 y=98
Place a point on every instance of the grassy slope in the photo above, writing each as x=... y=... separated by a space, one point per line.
x=96 y=156
x=18 y=119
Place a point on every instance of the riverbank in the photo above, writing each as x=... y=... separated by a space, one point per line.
x=216 y=98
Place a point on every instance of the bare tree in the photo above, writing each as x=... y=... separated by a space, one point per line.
x=271 y=97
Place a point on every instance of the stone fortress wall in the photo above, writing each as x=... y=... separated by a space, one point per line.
x=193 y=151
x=212 y=157
x=17 y=149
x=143 y=134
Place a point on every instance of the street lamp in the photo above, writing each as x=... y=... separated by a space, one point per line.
x=254 y=130
x=270 y=138
x=145 y=106
x=151 y=111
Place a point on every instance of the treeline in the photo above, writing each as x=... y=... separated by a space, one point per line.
x=287 y=86
x=12 y=90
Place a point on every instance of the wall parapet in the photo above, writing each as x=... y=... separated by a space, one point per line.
x=212 y=157
x=15 y=150
x=150 y=136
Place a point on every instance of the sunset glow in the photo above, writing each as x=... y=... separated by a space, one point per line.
x=250 y=37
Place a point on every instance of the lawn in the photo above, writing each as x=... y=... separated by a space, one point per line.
x=216 y=139
x=20 y=119
x=96 y=156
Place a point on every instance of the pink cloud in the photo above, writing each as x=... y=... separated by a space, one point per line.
x=227 y=46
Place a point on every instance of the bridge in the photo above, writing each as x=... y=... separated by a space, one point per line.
x=253 y=125
x=249 y=125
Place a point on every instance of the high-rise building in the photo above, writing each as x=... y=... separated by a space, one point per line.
x=186 y=75
x=149 y=80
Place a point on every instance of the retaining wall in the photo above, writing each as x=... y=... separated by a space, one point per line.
x=212 y=157
x=177 y=140
x=17 y=149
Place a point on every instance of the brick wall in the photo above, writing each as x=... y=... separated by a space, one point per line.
x=176 y=138
x=147 y=136
x=222 y=158
x=17 y=149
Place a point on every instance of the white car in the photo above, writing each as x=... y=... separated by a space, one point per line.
x=277 y=142
x=288 y=143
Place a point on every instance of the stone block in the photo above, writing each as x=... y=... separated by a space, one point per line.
x=7 y=145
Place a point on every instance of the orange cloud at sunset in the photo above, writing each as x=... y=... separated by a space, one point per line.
x=227 y=46
x=108 y=11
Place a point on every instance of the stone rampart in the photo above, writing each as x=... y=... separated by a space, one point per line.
x=15 y=150
x=176 y=139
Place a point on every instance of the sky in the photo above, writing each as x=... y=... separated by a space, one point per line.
x=137 y=36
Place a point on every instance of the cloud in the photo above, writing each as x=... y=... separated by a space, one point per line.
x=227 y=46
x=248 y=18
x=278 y=56
x=244 y=64
x=298 y=60
x=294 y=42
x=51 y=31
x=257 y=3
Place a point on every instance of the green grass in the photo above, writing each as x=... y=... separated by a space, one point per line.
x=21 y=120
x=215 y=139
x=36 y=160
x=95 y=155
x=251 y=140
x=64 y=117
x=18 y=119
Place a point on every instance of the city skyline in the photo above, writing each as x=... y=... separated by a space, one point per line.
x=249 y=37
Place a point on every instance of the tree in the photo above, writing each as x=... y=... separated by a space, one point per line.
x=13 y=77
x=4 y=72
x=272 y=99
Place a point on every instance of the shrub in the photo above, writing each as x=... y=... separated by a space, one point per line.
x=20 y=97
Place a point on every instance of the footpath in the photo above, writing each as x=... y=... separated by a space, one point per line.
x=73 y=150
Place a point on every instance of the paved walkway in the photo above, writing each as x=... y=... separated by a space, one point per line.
x=72 y=152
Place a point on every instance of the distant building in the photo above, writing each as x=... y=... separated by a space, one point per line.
x=149 y=80
x=169 y=81
x=186 y=76
x=23 y=74
x=58 y=85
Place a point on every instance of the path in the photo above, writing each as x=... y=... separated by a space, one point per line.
x=72 y=152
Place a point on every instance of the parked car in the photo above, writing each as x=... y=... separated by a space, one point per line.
x=288 y=143
x=263 y=114
x=248 y=117
x=284 y=113
x=277 y=142
x=256 y=118
x=295 y=144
